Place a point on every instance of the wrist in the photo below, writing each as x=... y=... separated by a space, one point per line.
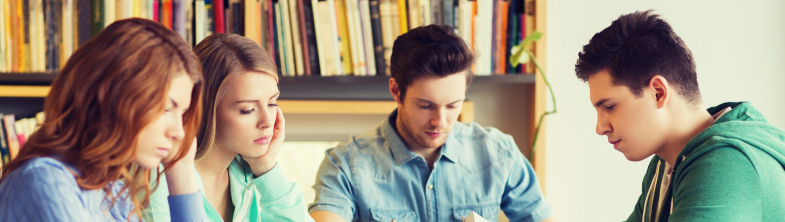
x=261 y=169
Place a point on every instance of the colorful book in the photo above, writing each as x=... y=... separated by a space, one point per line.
x=288 y=46
x=414 y=14
x=296 y=38
x=376 y=31
x=238 y=22
x=218 y=13
x=110 y=12
x=335 y=38
x=280 y=39
x=3 y=49
x=199 y=21
x=52 y=40
x=302 y=29
x=436 y=12
x=178 y=17
x=425 y=14
x=252 y=10
x=310 y=33
x=367 y=37
x=403 y=17
x=483 y=30
x=209 y=19
x=327 y=37
x=355 y=38
x=68 y=22
x=500 y=30
x=5 y=155
x=386 y=10
x=10 y=135
x=528 y=20
x=448 y=14
x=343 y=33
x=190 y=16
x=166 y=14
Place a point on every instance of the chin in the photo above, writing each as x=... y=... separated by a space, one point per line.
x=255 y=151
x=148 y=163
x=432 y=143
x=635 y=157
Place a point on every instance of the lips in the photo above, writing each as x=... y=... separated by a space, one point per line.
x=164 y=152
x=434 y=134
x=615 y=143
x=264 y=140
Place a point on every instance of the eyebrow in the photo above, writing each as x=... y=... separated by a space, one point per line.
x=599 y=103
x=173 y=102
x=256 y=100
x=426 y=101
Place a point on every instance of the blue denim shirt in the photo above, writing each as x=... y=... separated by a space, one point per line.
x=375 y=177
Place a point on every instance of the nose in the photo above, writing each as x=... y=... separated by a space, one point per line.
x=603 y=126
x=439 y=118
x=176 y=131
x=266 y=118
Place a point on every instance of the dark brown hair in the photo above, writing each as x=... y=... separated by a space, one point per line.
x=223 y=57
x=429 y=51
x=109 y=90
x=637 y=47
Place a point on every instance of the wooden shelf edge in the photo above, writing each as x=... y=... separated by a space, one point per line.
x=23 y=91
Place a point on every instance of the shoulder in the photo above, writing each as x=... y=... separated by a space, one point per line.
x=38 y=173
x=472 y=133
x=366 y=143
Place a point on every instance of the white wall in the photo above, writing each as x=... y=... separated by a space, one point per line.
x=739 y=48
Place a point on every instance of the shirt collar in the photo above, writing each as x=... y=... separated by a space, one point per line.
x=401 y=153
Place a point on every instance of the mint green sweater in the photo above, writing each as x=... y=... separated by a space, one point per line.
x=270 y=197
x=732 y=171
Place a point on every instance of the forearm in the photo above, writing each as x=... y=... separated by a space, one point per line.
x=181 y=179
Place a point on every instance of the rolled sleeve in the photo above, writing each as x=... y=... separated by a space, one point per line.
x=523 y=199
x=273 y=185
x=333 y=187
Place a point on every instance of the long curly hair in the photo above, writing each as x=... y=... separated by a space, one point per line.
x=109 y=90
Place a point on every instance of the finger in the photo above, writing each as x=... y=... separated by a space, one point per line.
x=280 y=122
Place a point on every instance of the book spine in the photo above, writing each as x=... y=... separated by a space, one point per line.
x=483 y=29
x=310 y=33
x=501 y=37
x=67 y=28
x=365 y=18
x=355 y=38
x=403 y=17
x=376 y=31
x=297 y=37
x=335 y=39
x=157 y=11
x=209 y=19
x=3 y=33
x=218 y=12
x=386 y=10
x=436 y=12
x=414 y=13
x=10 y=135
x=200 y=21
x=343 y=32
x=287 y=35
x=448 y=14
x=166 y=14
x=25 y=55
x=238 y=26
x=512 y=27
x=251 y=20
x=5 y=156
x=425 y=14
x=178 y=17
x=110 y=12
x=494 y=44
x=52 y=36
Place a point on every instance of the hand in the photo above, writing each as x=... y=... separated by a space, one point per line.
x=180 y=176
x=266 y=162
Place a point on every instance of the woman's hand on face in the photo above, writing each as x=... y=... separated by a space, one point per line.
x=180 y=177
x=265 y=163
x=188 y=159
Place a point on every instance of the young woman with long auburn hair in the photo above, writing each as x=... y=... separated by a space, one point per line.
x=241 y=134
x=126 y=101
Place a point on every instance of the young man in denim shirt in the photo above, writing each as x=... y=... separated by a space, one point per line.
x=418 y=164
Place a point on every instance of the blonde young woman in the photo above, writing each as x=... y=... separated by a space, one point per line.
x=241 y=134
x=126 y=101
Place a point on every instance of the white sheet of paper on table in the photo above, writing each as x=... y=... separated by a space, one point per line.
x=474 y=217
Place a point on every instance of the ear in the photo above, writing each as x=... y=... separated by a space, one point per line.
x=395 y=91
x=662 y=91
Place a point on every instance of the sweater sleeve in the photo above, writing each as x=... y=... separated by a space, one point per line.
x=158 y=209
x=43 y=190
x=166 y=208
x=280 y=198
x=721 y=185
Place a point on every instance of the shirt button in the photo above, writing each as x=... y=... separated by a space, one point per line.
x=430 y=187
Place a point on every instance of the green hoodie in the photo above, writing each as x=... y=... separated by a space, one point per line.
x=270 y=197
x=732 y=171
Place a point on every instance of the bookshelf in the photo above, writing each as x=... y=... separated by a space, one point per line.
x=23 y=93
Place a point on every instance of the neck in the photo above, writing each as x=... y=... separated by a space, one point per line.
x=683 y=129
x=216 y=163
x=428 y=153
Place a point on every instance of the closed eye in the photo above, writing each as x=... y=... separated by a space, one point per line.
x=244 y=112
x=609 y=108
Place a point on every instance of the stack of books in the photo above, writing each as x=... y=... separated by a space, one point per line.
x=14 y=133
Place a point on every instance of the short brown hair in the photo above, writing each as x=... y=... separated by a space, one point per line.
x=432 y=50
x=635 y=48
x=224 y=56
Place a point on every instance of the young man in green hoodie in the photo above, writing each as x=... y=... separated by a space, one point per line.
x=724 y=163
